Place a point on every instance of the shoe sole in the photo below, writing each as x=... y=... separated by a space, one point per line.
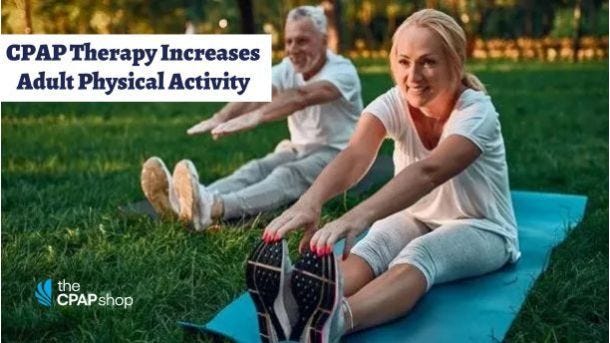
x=264 y=280
x=315 y=290
x=187 y=191
x=156 y=192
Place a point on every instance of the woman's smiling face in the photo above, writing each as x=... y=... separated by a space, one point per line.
x=422 y=69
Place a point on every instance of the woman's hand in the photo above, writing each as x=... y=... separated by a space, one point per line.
x=300 y=215
x=348 y=226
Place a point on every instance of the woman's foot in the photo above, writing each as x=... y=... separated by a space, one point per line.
x=317 y=287
x=268 y=279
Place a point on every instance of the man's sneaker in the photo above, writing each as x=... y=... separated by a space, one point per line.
x=268 y=280
x=317 y=289
x=156 y=185
x=194 y=201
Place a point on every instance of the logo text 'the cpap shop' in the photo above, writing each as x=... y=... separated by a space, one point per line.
x=69 y=294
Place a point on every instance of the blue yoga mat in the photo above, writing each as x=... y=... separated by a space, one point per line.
x=478 y=309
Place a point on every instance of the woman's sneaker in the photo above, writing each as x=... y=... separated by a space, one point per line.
x=318 y=290
x=194 y=201
x=156 y=185
x=268 y=280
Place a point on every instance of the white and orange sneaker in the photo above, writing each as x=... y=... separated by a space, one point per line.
x=155 y=181
x=195 y=202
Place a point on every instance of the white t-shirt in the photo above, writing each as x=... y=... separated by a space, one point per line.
x=480 y=194
x=331 y=123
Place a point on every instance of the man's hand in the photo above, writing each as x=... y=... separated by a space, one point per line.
x=241 y=123
x=205 y=125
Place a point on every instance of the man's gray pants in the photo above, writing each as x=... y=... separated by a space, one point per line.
x=273 y=181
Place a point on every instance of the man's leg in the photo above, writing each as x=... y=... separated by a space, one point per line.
x=285 y=184
x=448 y=253
x=199 y=205
x=252 y=172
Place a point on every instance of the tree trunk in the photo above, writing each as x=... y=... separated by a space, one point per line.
x=194 y=14
x=577 y=30
x=28 y=17
x=247 y=16
x=431 y=4
x=332 y=10
x=455 y=12
x=529 y=18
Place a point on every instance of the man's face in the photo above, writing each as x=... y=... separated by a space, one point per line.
x=305 y=46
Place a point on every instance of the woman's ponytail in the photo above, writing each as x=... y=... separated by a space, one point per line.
x=471 y=81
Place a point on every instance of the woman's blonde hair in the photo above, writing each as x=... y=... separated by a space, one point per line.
x=453 y=41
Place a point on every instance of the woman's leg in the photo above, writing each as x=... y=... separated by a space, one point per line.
x=356 y=273
x=369 y=258
x=448 y=253
x=388 y=296
x=372 y=255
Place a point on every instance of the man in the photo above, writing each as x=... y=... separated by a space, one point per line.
x=316 y=89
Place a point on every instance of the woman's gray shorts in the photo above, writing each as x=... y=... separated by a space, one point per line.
x=442 y=253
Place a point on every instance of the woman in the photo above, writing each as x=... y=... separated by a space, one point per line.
x=447 y=213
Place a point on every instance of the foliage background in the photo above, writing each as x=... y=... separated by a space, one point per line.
x=360 y=22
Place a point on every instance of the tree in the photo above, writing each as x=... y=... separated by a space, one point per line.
x=247 y=16
x=577 y=29
x=28 y=17
x=332 y=10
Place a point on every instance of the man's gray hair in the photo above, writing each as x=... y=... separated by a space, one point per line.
x=315 y=14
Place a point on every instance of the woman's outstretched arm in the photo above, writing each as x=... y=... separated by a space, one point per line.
x=344 y=171
x=450 y=158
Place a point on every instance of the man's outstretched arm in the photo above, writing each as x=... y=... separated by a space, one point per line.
x=228 y=112
x=283 y=104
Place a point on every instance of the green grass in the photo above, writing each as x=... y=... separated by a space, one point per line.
x=66 y=167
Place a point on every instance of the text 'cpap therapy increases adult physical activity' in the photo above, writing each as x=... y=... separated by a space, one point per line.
x=139 y=67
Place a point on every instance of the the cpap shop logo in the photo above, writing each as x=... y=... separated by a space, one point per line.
x=69 y=295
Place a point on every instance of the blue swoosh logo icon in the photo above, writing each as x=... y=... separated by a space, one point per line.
x=44 y=292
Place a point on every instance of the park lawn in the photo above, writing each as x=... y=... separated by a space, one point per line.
x=66 y=168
